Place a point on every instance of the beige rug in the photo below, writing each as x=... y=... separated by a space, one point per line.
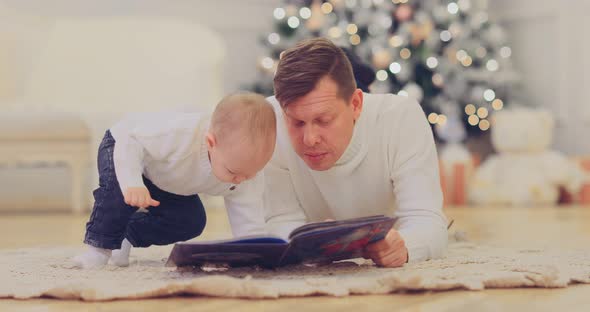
x=30 y=273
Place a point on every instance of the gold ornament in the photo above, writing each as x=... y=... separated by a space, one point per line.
x=337 y=3
x=403 y=13
x=316 y=20
x=382 y=59
x=291 y=10
x=451 y=54
x=419 y=32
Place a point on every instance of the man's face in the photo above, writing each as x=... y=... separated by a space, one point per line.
x=321 y=123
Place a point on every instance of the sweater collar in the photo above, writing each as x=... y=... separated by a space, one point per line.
x=354 y=147
x=357 y=147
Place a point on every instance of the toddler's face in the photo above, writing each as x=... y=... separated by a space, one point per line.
x=238 y=162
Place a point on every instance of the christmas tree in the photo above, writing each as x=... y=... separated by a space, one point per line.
x=448 y=55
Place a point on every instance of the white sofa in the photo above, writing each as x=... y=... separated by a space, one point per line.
x=71 y=78
x=47 y=139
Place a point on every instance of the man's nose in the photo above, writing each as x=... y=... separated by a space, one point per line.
x=310 y=136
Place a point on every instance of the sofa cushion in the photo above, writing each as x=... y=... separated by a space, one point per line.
x=44 y=126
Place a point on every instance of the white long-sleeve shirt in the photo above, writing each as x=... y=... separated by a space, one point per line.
x=390 y=167
x=169 y=149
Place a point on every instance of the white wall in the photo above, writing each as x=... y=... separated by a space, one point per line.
x=239 y=22
x=551 y=47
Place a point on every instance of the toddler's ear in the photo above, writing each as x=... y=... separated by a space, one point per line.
x=210 y=138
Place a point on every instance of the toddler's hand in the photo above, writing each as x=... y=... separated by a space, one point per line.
x=139 y=197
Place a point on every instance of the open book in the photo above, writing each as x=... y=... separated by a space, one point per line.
x=320 y=242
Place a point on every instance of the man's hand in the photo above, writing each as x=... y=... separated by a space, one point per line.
x=139 y=197
x=389 y=252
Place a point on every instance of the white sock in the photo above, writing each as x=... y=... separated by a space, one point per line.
x=92 y=258
x=120 y=257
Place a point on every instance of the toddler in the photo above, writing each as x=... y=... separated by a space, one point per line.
x=162 y=161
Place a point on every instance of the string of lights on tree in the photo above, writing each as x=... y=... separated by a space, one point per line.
x=448 y=55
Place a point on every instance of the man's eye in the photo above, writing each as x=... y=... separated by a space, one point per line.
x=298 y=123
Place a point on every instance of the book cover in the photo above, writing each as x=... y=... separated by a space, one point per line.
x=320 y=242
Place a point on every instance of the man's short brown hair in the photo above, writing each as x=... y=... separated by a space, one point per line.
x=302 y=66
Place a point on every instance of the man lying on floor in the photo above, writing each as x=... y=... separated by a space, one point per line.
x=341 y=153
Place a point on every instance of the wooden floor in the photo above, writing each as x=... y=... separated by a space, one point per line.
x=563 y=226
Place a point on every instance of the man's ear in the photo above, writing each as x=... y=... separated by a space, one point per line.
x=357 y=103
x=210 y=139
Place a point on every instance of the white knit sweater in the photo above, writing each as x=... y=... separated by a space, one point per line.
x=169 y=149
x=390 y=167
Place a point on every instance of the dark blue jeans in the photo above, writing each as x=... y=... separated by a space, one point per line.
x=177 y=218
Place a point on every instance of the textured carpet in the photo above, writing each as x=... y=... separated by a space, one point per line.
x=40 y=272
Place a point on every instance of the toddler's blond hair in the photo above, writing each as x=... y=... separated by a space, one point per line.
x=245 y=113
